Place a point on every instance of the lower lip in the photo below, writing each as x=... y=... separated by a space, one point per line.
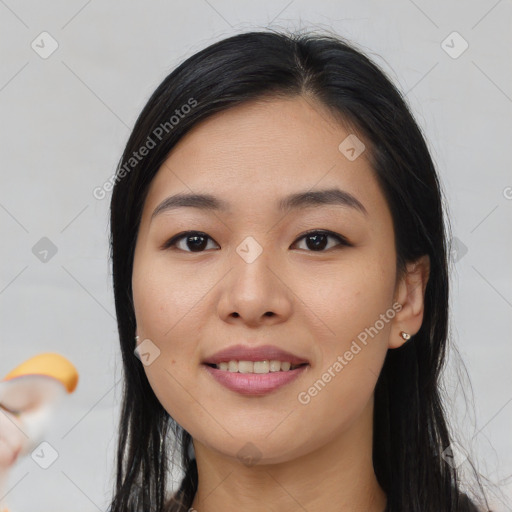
x=254 y=383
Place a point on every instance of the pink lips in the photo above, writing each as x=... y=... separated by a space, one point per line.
x=254 y=383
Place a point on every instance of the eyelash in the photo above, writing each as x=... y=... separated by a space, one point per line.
x=342 y=240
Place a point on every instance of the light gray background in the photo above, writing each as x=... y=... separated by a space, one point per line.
x=66 y=118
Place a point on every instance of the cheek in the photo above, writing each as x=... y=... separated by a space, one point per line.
x=163 y=296
x=355 y=310
x=168 y=312
x=347 y=298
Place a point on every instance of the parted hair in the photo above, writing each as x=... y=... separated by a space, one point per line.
x=410 y=425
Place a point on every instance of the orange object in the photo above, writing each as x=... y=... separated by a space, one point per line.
x=48 y=364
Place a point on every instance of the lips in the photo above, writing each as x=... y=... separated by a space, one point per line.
x=261 y=353
x=254 y=384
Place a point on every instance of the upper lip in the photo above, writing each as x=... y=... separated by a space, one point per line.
x=261 y=353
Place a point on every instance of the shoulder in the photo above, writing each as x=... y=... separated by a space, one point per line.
x=467 y=505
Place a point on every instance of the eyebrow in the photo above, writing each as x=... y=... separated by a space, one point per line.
x=208 y=202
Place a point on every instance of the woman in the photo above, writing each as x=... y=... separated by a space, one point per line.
x=280 y=271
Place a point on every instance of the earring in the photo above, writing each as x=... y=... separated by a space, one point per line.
x=406 y=336
x=137 y=339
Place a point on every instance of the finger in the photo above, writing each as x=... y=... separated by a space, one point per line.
x=8 y=453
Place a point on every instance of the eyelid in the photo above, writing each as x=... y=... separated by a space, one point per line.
x=327 y=232
x=176 y=238
x=183 y=234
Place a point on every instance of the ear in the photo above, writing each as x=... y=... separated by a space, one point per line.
x=410 y=293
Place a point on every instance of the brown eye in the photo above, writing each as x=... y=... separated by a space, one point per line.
x=190 y=241
x=317 y=241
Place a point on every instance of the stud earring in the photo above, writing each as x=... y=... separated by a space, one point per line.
x=136 y=338
x=406 y=336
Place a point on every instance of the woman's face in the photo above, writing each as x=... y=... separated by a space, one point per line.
x=251 y=278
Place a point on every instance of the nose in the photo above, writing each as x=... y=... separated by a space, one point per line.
x=255 y=293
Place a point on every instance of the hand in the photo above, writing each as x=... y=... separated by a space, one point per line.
x=12 y=439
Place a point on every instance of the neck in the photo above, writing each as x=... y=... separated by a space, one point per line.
x=336 y=476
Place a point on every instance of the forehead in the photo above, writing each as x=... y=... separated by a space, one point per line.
x=254 y=154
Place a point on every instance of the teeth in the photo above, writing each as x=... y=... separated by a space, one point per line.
x=260 y=367
x=275 y=366
x=256 y=366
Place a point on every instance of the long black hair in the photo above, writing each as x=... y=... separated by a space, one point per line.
x=411 y=433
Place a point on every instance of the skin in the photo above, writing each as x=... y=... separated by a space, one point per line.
x=12 y=439
x=315 y=456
